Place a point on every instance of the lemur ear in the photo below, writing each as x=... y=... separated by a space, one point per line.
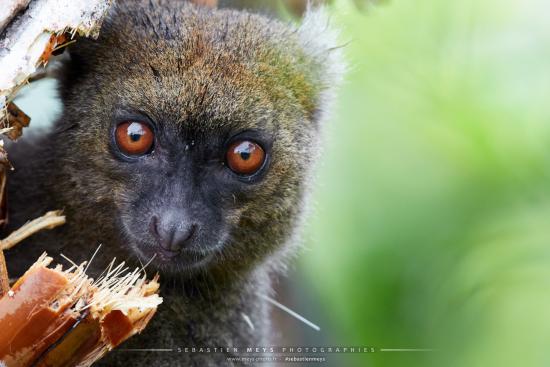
x=321 y=43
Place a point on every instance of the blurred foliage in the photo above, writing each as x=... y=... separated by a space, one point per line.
x=431 y=225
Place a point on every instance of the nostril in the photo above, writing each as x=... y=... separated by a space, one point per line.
x=182 y=237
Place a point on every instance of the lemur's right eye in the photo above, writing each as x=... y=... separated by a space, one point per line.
x=245 y=157
x=134 y=138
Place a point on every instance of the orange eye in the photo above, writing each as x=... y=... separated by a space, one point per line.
x=245 y=157
x=134 y=138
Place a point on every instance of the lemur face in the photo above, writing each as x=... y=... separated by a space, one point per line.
x=188 y=187
x=202 y=124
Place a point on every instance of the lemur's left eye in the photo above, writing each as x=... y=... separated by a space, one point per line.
x=134 y=138
x=245 y=157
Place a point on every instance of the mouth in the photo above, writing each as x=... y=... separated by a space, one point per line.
x=174 y=261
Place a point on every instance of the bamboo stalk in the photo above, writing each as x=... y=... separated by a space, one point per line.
x=4 y=278
x=54 y=317
x=49 y=220
x=4 y=166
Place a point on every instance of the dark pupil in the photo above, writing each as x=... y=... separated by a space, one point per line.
x=245 y=150
x=135 y=137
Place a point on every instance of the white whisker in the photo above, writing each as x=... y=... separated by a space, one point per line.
x=290 y=312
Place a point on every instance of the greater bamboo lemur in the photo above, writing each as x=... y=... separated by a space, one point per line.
x=187 y=139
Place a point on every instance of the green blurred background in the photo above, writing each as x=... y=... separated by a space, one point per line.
x=431 y=226
x=431 y=219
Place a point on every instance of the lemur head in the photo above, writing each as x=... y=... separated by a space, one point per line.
x=195 y=129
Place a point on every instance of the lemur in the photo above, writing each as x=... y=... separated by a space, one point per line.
x=187 y=141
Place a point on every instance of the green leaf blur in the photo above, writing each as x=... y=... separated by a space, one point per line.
x=431 y=219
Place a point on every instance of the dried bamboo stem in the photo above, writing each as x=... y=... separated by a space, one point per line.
x=17 y=120
x=30 y=31
x=4 y=167
x=47 y=221
x=4 y=279
x=55 y=317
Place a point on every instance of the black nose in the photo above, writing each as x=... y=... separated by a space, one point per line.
x=172 y=234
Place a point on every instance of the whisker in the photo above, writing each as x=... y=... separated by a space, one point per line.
x=290 y=312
